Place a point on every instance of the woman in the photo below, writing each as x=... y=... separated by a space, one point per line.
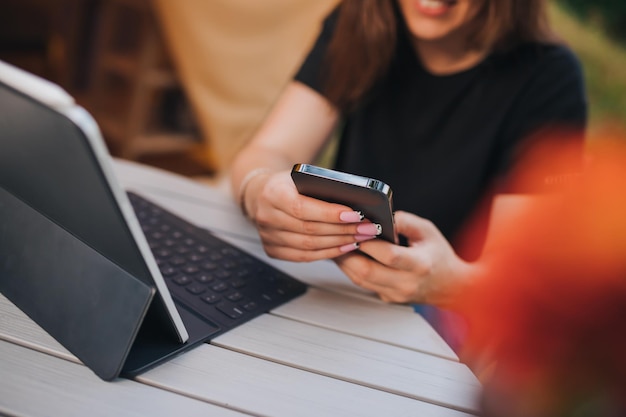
x=435 y=98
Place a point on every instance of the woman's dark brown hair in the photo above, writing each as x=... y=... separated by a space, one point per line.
x=365 y=35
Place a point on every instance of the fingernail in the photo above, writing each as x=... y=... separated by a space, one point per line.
x=349 y=247
x=351 y=216
x=361 y=238
x=372 y=229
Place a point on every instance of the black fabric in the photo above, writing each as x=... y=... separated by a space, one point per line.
x=441 y=142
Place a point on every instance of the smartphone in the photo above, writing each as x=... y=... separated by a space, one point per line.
x=371 y=197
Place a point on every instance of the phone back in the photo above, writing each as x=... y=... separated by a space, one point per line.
x=372 y=197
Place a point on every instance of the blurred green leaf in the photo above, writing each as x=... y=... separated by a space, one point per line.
x=603 y=58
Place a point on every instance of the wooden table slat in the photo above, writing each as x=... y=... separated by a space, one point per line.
x=263 y=387
x=38 y=385
x=370 y=319
x=350 y=358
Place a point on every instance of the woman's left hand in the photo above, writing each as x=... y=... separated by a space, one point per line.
x=426 y=271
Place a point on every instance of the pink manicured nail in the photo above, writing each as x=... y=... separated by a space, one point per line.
x=349 y=247
x=361 y=238
x=351 y=216
x=372 y=229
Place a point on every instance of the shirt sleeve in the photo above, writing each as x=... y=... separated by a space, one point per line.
x=551 y=106
x=310 y=73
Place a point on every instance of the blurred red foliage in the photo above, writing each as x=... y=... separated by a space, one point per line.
x=549 y=307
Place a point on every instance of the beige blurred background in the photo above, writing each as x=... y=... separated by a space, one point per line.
x=234 y=57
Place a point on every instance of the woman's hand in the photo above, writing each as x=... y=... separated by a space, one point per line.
x=298 y=228
x=426 y=271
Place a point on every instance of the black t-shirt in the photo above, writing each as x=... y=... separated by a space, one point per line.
x=441 y=142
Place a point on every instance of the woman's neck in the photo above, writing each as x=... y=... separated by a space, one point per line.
x=444 y=58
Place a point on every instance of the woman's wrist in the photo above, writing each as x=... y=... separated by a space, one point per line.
x=244 y=187
x=447 y=287
x=464 y=275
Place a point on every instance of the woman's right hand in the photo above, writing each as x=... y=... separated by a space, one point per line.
x=298 y=228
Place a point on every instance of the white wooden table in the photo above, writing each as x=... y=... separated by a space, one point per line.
x=335 y=351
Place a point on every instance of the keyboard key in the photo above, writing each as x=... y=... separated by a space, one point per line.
x=204 y=278
x=236 y=296
x=211 y=298
x=196 y=288
x=250 y=306
x=219 y=287
x=231 y=311
x=182 y=280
